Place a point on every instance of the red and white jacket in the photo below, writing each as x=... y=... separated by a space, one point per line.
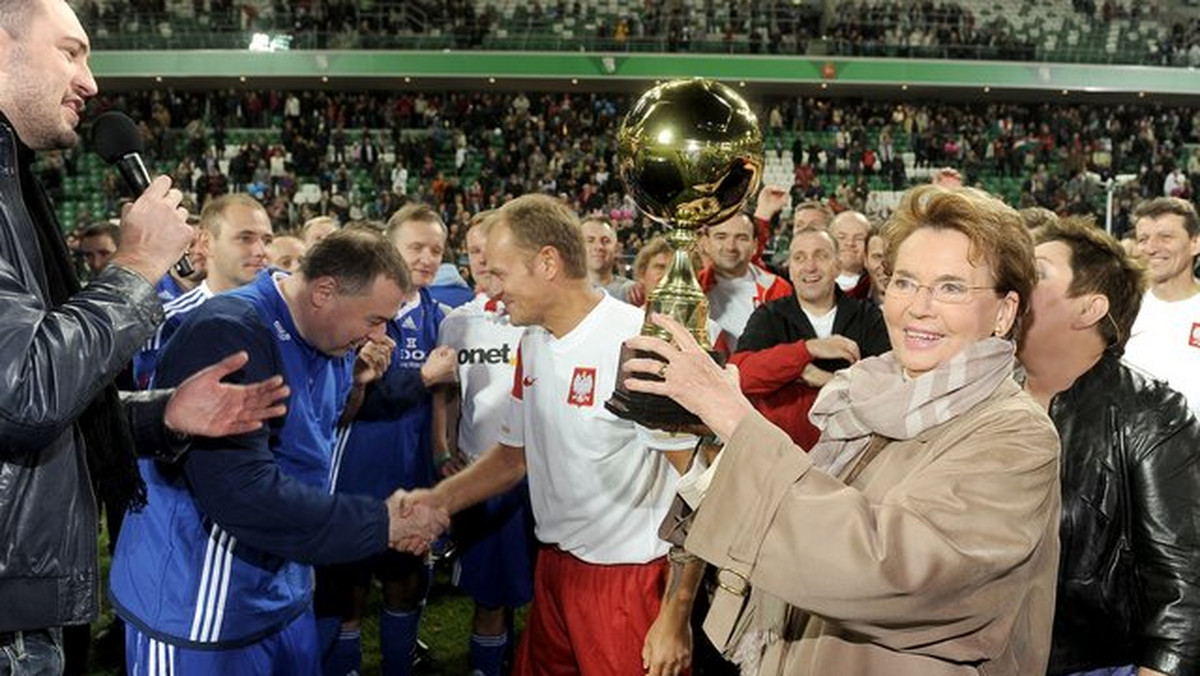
x=767 y=286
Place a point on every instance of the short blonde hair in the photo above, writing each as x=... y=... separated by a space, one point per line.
x=1037 y=217
x=316 y=221
x=418 y=212
x=814 y=205
x=212 y=216
x=995 y=230
x=482 y=222
x=538 y=221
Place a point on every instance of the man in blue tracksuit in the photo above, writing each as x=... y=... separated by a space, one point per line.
x=213 y=575
x=377 y=457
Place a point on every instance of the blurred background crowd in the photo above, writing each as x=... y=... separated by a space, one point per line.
x=362 y=155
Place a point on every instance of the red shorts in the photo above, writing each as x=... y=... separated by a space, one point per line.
x=589 y=619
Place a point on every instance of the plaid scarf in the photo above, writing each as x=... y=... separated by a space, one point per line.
x=873 y=397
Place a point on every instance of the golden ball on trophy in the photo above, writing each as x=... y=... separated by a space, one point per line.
x=690 y=152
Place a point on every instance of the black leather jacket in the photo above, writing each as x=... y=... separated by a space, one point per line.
x=1129 y=573
x=53 y=362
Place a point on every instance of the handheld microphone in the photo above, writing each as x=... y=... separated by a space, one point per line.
x=118 y=142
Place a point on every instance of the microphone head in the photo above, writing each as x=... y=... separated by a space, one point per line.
x=115 y=135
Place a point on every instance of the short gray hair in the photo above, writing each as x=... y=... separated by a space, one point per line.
x=15 y=15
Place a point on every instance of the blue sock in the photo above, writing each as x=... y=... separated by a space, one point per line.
x=487 y=654
x=345 y=658
x=327 y=633
x=398 y=639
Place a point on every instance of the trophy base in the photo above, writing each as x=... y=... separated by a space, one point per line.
x=651 y=410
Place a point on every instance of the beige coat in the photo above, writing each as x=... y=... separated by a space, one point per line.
x=939 y=558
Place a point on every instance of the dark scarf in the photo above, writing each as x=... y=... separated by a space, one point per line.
x=106 y=435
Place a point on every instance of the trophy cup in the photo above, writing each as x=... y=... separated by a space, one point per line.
x=690 y=153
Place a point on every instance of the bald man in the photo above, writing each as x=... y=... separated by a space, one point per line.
x=850 y=229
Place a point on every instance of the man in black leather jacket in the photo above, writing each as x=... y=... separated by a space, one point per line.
x=1128 y=592
x=61 y=346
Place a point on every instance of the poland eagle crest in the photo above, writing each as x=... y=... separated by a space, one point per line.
x=583 y=387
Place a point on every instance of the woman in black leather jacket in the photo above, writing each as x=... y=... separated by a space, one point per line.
x=1129 y=574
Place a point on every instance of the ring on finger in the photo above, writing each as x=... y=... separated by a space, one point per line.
x=662 y=370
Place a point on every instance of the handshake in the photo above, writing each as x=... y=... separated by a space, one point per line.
x=415 y=520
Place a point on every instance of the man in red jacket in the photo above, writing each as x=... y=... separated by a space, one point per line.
x=791 y=346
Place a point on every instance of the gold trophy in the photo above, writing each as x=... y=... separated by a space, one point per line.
x=690 y=153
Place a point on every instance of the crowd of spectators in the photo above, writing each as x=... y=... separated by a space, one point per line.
x=362 y=155
x=1180 y=46
x=776 y=27
x=766 y=26
x=893 y=28
x=673 y=25
x=1063 y=155
x=312 y=24
x=928 y=29
x=368 y=153
x=924 y=29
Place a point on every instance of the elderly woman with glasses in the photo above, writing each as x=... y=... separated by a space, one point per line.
x=919 y=535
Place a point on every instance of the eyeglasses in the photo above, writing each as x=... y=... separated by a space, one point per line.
x=945 y=291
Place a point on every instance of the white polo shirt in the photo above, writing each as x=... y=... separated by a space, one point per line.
x=598 y=490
